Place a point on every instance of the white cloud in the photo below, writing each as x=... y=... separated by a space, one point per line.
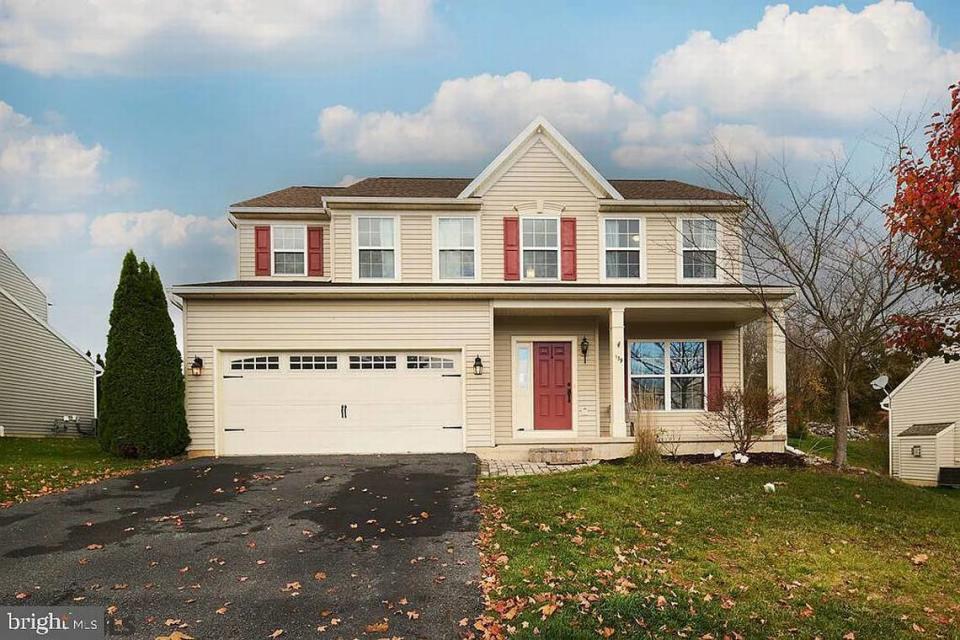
x=828 y=62
x=158 y=227
x=129 y=36
x=39 y=168
x=469 y=119
x=39 y=230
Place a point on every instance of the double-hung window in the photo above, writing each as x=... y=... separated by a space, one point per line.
x=540 y=243
x=698 y=238
x=289 y=251
x=622 y=247
x=456 y=247
x=376 y=248
x=668 y=374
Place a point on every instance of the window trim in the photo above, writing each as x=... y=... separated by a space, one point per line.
x=355 y=246
x=642 y=248
x=681 y=249
x=667 y=375
x=437 y=248
x=273 y=259
x=523 y=248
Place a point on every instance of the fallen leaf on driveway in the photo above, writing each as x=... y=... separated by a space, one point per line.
x=320 y=575
x=23 y=595
x=94 y=547
x=176 y=635
x=378 y=627
x=221 y=610
x=277 y=633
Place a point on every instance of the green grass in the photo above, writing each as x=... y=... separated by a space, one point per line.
x=869 y=454
x=30 y=467
x=702 y=552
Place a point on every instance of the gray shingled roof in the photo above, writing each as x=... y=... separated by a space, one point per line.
x=307 y=196
x=928 y=429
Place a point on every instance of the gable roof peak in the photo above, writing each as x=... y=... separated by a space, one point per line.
x=541 y=126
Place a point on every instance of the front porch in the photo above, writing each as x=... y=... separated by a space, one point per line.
x=564 y=373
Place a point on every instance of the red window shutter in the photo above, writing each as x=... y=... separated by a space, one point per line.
x=568 y=249
x=314 y=251
x=262 y=250
x=511 y=248
x=714 y=375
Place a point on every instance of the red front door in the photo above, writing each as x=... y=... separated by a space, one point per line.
x=552 y=392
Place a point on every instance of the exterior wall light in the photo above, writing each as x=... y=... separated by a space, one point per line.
x=584 y=347
x=196 y=367
x=477 y=366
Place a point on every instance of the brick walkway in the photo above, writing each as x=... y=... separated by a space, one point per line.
x=497 y=468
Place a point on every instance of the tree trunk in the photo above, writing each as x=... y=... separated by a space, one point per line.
x=841 y=415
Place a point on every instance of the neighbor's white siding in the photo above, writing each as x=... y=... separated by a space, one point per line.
x=252 y=325
x=15 y=282
x=41 y=378
x=931 y=395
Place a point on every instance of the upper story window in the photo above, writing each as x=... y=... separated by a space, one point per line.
x=289 y=251
x=376 y=248
x=540 y=244
x=668 y=374
x=699 y=248
x=622 y=246
x=456 y=247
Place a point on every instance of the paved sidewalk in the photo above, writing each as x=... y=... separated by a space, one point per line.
x=497 y=468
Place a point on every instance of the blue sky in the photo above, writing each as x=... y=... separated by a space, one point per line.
x=135 y=126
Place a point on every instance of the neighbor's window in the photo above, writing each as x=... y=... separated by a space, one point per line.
x=373 y=362
x=376 y=247
x=457 y=248
x=289 y=251
x=540 y=240
x=622 y=248
x=699 y=248
x=668 y=374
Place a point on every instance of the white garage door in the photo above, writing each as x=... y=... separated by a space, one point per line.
x=341 y=402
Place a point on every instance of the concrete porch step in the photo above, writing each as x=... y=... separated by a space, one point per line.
x=561 y=455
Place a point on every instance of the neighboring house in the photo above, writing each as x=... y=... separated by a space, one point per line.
x=42 y=376
x=516 y=310
x=924 y=434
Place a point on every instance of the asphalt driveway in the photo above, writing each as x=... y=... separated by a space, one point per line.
x=320 y=547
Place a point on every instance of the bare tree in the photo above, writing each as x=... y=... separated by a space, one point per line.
x=745 y=416
x=825 y=238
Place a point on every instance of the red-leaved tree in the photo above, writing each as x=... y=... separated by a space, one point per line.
x=926 y=210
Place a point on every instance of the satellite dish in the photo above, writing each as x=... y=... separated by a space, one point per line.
x=880 y=383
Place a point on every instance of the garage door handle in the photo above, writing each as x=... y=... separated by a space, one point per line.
x=343 y=411
x=449 y=375
x=233 y=429
x=455 y=427
x=225 y=377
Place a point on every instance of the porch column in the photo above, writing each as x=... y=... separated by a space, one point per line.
x=618 y=399
x=777 y=359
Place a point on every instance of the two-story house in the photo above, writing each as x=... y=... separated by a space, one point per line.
x=516 y=310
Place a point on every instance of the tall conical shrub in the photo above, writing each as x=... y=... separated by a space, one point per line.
x=142 y=414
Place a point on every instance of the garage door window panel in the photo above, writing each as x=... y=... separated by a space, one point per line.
x=429 y=362
x=313 y=363
x=373 y=362
x=256 y=363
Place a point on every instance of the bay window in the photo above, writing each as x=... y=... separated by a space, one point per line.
x=376 y=248
x=668 y=374
x=540 y=244
x=699 y=248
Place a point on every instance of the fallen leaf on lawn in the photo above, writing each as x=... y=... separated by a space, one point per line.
x=661 y=602
x=850 y=636
x=378 y=627
x=606 y=632
x=413 y=615
x=112 y=609
x=806 y=612
x=547 y=610
x=463 y=622
x=920 y=559
x=23 y=595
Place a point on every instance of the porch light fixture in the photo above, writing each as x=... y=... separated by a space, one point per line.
x=196 y=367
x=477 y=366
x=584 y=347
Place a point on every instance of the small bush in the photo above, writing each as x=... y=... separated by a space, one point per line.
x=646 y=445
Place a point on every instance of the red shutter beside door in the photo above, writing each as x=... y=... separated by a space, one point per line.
x=714 y=375
x=261 y=244
x=568 y=248
x=314 y=251
x=511 y=248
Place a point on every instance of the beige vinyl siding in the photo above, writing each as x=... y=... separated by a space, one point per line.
x=505 y=329
x=251 y=325
x=416 y=247
x=931 y=395
x=41 y=378
x=246 y=248
x=684 y=425
x=538 y=174
x=661 y=248
x=15 y=282
x=342 y=233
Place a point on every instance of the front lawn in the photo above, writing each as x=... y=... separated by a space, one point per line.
x=31 y=467
x=704 y=552
x=869 y=454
